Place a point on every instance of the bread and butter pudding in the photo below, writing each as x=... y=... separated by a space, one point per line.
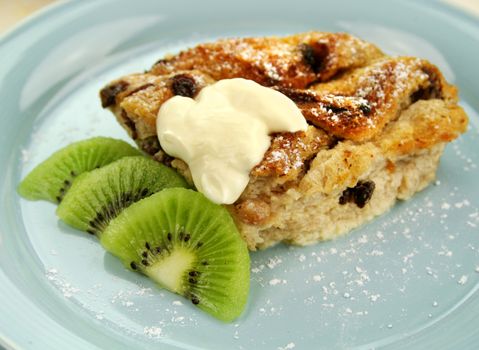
x=376 y=128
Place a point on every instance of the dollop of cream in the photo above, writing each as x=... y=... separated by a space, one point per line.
x=224 y=132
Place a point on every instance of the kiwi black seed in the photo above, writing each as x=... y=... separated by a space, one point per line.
x=213 y=275
x=99 y=196
x=52 y=179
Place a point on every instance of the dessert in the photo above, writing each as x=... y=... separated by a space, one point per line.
x=224 y=132
x=301 y=139
x=377 y=126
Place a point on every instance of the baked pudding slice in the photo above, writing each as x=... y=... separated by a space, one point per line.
x=377 y=126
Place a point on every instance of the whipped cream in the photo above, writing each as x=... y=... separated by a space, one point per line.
x=224 y=132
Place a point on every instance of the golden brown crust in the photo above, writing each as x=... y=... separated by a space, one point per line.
x=140 y=96
x=375 y=95
x=421 y=126
x=368 y=91
x=368 y=113
x=294 y=61
x=289 y=152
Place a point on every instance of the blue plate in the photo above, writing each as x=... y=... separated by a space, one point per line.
x=408 y=280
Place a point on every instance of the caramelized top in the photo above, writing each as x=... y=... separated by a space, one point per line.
x=289 y=152
x=346 y=89
x=358 y=105
x=294 y=61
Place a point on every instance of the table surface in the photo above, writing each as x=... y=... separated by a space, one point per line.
x=13 y=11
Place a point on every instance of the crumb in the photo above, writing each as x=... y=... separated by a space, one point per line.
x=363 y=239
x=317 y=278
x=463 y=280
x=65 y=287
x=152 y=332
x=257 y=269
x=276 y=281
x=288 y=346
x=273 y=262
x=431 y=272
x=376 y=252
x=177 y=319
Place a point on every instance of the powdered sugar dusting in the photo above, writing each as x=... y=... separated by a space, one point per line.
x=463 y=280
x=273 y=262
x=124 y=297
x=353 y=291
x=66 y=288
x=153 y=332
x=288 y=346
x=276 y=281
x=317 y=278
x=395 y=253
x=394 y=259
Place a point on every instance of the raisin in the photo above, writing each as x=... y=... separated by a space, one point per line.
x=150 y=145
x=359 y=194
x=129 y=124
x=314 y=55
x=363 y=193
x=109 y=93
x=346 y=196
x=365 y=108
x=335 y=109
x=308 y=54
x=183 y=85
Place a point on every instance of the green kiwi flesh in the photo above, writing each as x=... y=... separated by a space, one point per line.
x=51 y=179
x=95 y=198
x=186 y=244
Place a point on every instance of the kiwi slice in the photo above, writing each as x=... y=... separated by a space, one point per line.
x=51 y=179
x=186 y=244
x=97 y=197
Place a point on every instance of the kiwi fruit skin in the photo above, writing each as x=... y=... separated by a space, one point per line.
x=98 y=196
x=52 y=178
x=216 y=275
